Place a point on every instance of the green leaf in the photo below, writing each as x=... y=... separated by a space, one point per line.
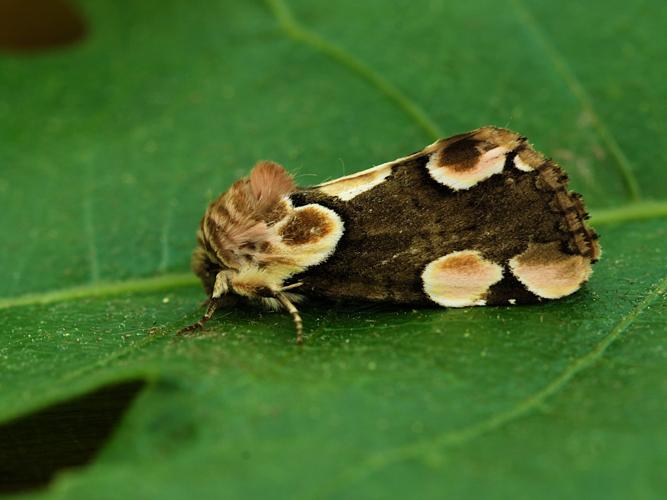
x=110 y=150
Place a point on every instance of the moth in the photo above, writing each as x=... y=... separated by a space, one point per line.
x=480 y=218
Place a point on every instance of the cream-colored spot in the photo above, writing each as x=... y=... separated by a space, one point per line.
x=452 y=175
x=548 y=272
x=512 y=301
x=309 y=235
x=350 y=186
x=306 y=226
x=460 y=279
x=522 y=165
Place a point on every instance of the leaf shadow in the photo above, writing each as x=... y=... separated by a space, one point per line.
x=36 y=447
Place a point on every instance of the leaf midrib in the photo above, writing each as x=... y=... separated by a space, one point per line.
x=170 y=281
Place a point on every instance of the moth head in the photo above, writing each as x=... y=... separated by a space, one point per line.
x=252 y=239
x=235 y=230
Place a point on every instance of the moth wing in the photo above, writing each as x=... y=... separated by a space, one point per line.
x=478 y=218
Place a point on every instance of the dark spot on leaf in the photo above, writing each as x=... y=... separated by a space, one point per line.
x=34 y=448
x=36 y=25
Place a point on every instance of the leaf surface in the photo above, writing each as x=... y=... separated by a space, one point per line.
x=110 y=150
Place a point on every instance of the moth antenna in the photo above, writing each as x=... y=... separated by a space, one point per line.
x=291 y=308
x=213 y=304
x=292 y=286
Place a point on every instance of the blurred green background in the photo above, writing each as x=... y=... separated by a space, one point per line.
x=111 y=146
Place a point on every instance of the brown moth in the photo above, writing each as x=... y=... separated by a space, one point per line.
x=479 y=218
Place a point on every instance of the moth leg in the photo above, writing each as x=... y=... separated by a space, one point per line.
x=291 y=308
x=213 y=304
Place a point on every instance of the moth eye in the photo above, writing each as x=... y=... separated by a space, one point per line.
x=548 y=272
x=460 y=279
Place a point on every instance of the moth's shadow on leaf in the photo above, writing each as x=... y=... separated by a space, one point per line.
x=331 y=323
x=353 y=317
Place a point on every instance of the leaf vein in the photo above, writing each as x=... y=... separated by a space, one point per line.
x=630 y=212
x=298 y=32
x=101 y=289
x=429 y=448
x=577 y=89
